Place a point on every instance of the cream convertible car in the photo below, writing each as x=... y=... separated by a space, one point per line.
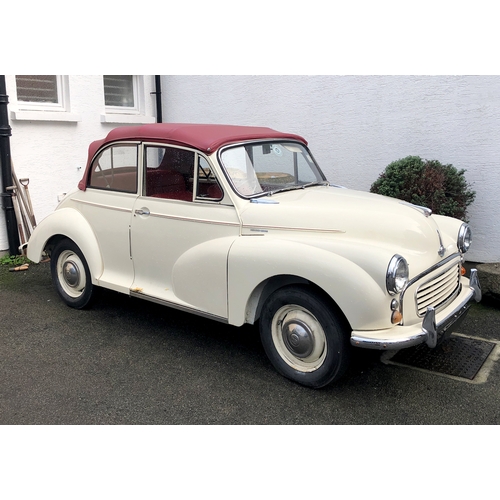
x=239 y=224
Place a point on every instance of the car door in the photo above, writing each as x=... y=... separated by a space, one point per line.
x=107 y=205
x=181 y=230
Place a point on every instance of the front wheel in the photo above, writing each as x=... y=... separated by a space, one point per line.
x=71 y=274
x=305 y=337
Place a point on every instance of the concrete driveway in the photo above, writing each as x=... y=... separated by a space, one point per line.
x=127 y=361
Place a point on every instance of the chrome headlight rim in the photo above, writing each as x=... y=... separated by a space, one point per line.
x=397 y=275
x=464 y=239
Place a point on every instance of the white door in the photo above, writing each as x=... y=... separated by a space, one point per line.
x=107 y=204
x=180 y=236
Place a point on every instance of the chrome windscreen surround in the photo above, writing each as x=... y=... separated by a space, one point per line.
x=435 y=287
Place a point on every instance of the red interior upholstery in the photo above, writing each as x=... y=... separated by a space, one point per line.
x=167 y=183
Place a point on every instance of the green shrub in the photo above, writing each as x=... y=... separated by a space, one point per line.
x=428 y=183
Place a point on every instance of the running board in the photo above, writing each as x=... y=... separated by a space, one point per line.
x=179 y=307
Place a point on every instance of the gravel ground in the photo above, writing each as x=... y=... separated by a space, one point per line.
x=127 y=361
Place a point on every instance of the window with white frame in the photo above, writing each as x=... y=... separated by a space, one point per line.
x=42 y=92
x=120 y=93
x=125 y=100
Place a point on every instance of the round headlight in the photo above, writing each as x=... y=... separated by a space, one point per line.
x=464 y=238
x=397 y=275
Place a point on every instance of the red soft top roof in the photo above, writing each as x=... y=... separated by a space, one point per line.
x=206 y=138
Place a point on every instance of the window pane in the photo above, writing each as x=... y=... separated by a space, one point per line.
x=266 y=167
x=208 y=187
x=37 y=88
x=116 y=169
x=169 y=173
x=119 y=90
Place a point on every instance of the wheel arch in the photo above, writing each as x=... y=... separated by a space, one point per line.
x=276 y=263
x=71 y=224
x=265 y=289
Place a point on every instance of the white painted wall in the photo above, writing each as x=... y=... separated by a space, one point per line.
x=53 y=154
x=357 y=125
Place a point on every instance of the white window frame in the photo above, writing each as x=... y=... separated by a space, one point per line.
x=128 y=114
x=62 y=98
x=128 y=109
x=47 y=111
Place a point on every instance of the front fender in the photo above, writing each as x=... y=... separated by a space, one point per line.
x=72 y=224
x=253 y=260
x=200 y=276
x=449 y=228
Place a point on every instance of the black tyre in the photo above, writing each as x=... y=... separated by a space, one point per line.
x=305 y=336
x=71 y=274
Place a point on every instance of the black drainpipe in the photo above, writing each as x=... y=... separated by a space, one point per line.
x=157 y=92
x=6 y=170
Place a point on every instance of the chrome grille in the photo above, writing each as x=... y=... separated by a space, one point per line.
x=439 y=290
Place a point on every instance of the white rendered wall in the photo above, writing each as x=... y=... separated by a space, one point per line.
x=357 y=125
x=53 y=154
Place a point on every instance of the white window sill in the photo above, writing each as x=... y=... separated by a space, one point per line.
x=46 y=116
x=123 y=118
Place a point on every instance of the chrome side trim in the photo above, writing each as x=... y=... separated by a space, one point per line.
x=179 y=307
x=194 y=219
x=102 y=205
x=264 y=201
x=253 y=227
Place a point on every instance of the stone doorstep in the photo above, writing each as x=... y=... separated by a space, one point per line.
x=489 y=277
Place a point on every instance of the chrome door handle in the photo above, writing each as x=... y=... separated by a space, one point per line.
x=143 y=211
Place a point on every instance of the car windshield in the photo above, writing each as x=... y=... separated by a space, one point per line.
x=258 y=169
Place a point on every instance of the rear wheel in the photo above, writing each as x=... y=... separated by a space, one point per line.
x=305 y=336
x=71 y=274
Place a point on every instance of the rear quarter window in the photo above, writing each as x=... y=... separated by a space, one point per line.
x=115 y=169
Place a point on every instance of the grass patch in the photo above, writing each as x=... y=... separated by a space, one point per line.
x=14 y=260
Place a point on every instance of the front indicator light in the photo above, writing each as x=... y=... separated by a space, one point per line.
x=462 y=270
x=396 y=317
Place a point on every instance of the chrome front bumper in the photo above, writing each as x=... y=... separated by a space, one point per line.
x=429 y=331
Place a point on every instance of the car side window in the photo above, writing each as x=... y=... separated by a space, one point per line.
x=115 y=169
x=169 y=173
x=208 y=188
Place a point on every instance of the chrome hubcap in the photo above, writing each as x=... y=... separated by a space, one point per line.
x=298 y=338
x=71 y=274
